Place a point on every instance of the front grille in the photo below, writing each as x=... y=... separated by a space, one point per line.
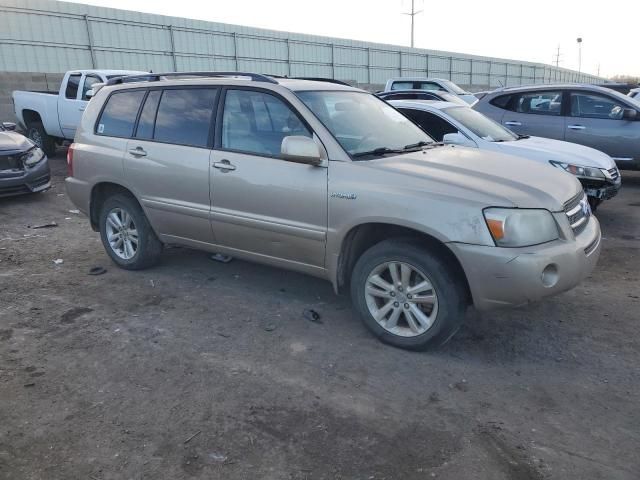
x=578 y=212
x=15 y=190
x=614 y=173
x=10 y=162
x=38 y=182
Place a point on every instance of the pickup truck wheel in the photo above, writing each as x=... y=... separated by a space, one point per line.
x=407 y=295
x=37 y=133
x=126 y=234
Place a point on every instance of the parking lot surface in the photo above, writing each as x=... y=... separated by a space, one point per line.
x=199 y=369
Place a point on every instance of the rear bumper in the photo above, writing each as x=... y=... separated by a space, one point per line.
x=35 y=179
x=515 y=276
x=632 y=164
x=79 y=193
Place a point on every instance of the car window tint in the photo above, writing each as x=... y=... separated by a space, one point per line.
x=71 y=92
x=538 y=102
x=119 y=114
x=434 y=125
x=501 y=101
x=591 y=105
x=401 y=85
x=257 y=122
x=89 y=80
x=148 y=115
x=184 y=116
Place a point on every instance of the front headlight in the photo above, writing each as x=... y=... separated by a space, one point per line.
x=514 y=227
x=32 y=157
x=588 y=173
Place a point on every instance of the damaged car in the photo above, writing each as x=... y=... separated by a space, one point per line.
x=24 y=168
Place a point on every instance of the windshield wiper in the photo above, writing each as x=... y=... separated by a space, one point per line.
x=522 y=137
x=378 y=152
x=419 y=144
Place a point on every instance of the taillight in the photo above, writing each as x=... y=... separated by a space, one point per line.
x=70 y=160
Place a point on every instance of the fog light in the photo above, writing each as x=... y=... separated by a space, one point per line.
x=550 y=275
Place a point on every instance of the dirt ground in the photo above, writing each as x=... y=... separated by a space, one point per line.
x=197 y=369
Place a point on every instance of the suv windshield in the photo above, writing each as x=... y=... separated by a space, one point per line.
x=363 y=124
x=482 y=126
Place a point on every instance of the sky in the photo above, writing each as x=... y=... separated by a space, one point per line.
x=518 y=30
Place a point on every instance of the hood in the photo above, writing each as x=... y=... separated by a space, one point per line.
x=480 y=176
x=545 y=149
x=12 y=141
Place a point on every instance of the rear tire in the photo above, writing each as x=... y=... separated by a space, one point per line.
x=39 y=136
x=427 y=303
x=127 y=235
x=594 y=202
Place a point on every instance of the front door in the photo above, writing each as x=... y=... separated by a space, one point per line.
x=168 y=162
x=595 y=120
x=537 y=113
x=71 y=108
x=262 y=204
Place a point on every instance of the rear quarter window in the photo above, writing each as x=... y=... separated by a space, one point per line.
x=501 y=101
x=119 y=114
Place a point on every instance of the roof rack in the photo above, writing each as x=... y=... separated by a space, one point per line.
x=156 y=77
x=322 y=79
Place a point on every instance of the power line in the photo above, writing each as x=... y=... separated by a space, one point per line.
x=412 y=14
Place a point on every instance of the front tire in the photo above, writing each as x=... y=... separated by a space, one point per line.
x=407 y=295
x=38 y=135
x=127 y=235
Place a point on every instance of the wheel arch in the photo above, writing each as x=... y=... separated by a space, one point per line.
x=99 y=193
x=364 y=236
x=30 y=116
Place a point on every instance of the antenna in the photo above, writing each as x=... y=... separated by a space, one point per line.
x=412 y=14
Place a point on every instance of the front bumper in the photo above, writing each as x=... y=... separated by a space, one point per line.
x=605 y=191
x=31 y=180
x=514 y=276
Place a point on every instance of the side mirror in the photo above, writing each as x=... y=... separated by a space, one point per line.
x=457 y=139
x=9 y=126
x=89 y=93
x=300 y=149
x=630 y=114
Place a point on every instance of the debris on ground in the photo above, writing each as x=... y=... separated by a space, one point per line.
x=97 y=271
x=193 y=436
x=76 y=211
x=311 y=315
x=270 y=327
x=221 y=257
x=44 y=225
x=58 y=261
x=217 y=457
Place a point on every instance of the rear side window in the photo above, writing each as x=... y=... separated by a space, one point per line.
x=539 y=102
x=119 y=114
x=148 y=115
x=429 y=86
x=402 y=86
x=71 y=92
x=184 y=116
x=435 y=126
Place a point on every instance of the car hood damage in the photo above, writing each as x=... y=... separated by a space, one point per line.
x=14 y=142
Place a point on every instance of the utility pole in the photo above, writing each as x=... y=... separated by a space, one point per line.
x=598 y=68
x=557 y=57
x=412 y=14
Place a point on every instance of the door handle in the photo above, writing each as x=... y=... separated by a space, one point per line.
x=137 y=152
x=576 y=127
x=224 y=165
x=513 y=124
x=82 y=108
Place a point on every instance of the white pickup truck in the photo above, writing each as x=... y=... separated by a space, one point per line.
x=52 y=117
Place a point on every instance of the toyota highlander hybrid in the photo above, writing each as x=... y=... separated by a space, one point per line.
x=331 y=181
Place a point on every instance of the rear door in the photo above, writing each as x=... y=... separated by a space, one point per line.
x=70 y=107
x=537 y=112
x=595 y=120
x=167 y=161
x=262 y=204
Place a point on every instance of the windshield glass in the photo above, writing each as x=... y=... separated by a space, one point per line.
x=362 y=122
x=482 y=126
x=454 y=88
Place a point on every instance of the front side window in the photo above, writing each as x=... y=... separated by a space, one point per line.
x=119 y=114
x=481 y=125
x=71 y=92
x=257 y=122
x=361 y=122
x=89 y=80
x=593 y=105
x=435 y=126
x=429 y=86
x=540 y=103
x=184 y=116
